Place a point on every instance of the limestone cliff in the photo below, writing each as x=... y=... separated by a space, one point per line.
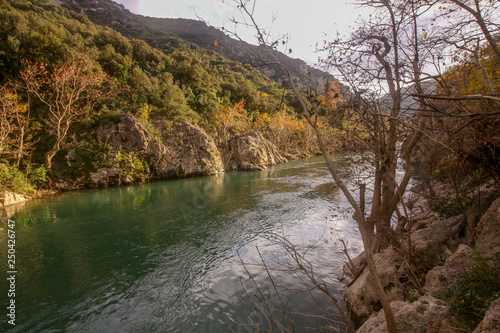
x=250 y=151
x=133 y=154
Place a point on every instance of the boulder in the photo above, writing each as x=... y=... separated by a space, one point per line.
x=488 y=231
x=167 y=149
x=8 y=198
x=190 y=152
x=427 y=314
x=11 y=203
x=491 y=320
x=433 y=244
x=457 y=266
x=361 y=297
x=129 y=134
x=103 y=176
x=251 y=151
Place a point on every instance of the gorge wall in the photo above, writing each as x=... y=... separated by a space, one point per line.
x=127 y=151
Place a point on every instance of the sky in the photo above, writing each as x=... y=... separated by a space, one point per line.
x=305 y=22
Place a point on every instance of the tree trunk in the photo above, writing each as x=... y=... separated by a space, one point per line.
x=48 y=159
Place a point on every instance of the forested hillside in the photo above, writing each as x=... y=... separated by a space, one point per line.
x=166 y=34
x=62 y=75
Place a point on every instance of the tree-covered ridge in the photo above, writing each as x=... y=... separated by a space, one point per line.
x=47 y=50
x=169 y=34
x=47 y=33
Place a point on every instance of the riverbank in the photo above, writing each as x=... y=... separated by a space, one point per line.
x=164 y=254
x=124 y=151
x=443 y=255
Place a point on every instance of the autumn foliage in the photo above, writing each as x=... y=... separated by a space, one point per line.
x=284 y=129
x=69 y=92
x=14 y=120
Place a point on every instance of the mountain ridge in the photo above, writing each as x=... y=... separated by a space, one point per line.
x=167 y=33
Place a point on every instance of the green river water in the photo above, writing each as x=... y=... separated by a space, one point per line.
x=165 y=257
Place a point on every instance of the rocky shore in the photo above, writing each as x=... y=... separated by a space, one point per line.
x=442 y=252
x=124 y=151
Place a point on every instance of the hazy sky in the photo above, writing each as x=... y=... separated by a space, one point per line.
x=304 y=21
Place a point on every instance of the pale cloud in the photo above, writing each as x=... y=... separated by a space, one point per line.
x=132 y=5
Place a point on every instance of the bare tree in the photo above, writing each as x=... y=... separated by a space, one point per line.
x=484 y=14
x=383 y=58
x=69 y=92
x=466 y=28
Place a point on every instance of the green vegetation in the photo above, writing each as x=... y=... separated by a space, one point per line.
x=12 y=179
x=170 y=35
x=43 y=44
x=471 y=296
x=449 y=207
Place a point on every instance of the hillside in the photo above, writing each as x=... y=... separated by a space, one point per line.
x=166 y=34
x=64 y=81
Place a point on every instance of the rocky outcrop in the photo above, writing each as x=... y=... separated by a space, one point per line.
x=133 y=153
x=126 y=150
x=427 y=314
x=488 y=230
x=491 y=320
x=190 y=151
x=440 y=250
x=10 y=198
x=251 y=151
x=433 y=244
x=361 y=298
x=458 y=265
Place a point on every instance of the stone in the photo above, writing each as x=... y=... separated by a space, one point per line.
x=105 y=176
x=361 y=297
x=190 y=152
x=8 y=198
x=251 y=151
x=457 y=266
x=488 y=231
x=427 y=314
x=134 y=154
x=432 y=245
x=128 y=134
x=491 y=320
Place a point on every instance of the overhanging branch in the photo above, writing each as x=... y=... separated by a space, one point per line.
x=463 y=98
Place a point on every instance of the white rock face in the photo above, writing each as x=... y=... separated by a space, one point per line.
x=251 y=151
x=414 y=317
x=10 y=198
x=491 y=321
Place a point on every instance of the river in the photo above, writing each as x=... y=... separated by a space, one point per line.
x=167 y=256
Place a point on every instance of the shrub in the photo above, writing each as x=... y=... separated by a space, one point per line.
x=11 y=179
x=38 y=176
x=449 y=207
x=471 y=296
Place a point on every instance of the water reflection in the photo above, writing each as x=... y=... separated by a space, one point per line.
x=164 y=256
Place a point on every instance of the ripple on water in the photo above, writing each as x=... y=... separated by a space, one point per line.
x=165 y=257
